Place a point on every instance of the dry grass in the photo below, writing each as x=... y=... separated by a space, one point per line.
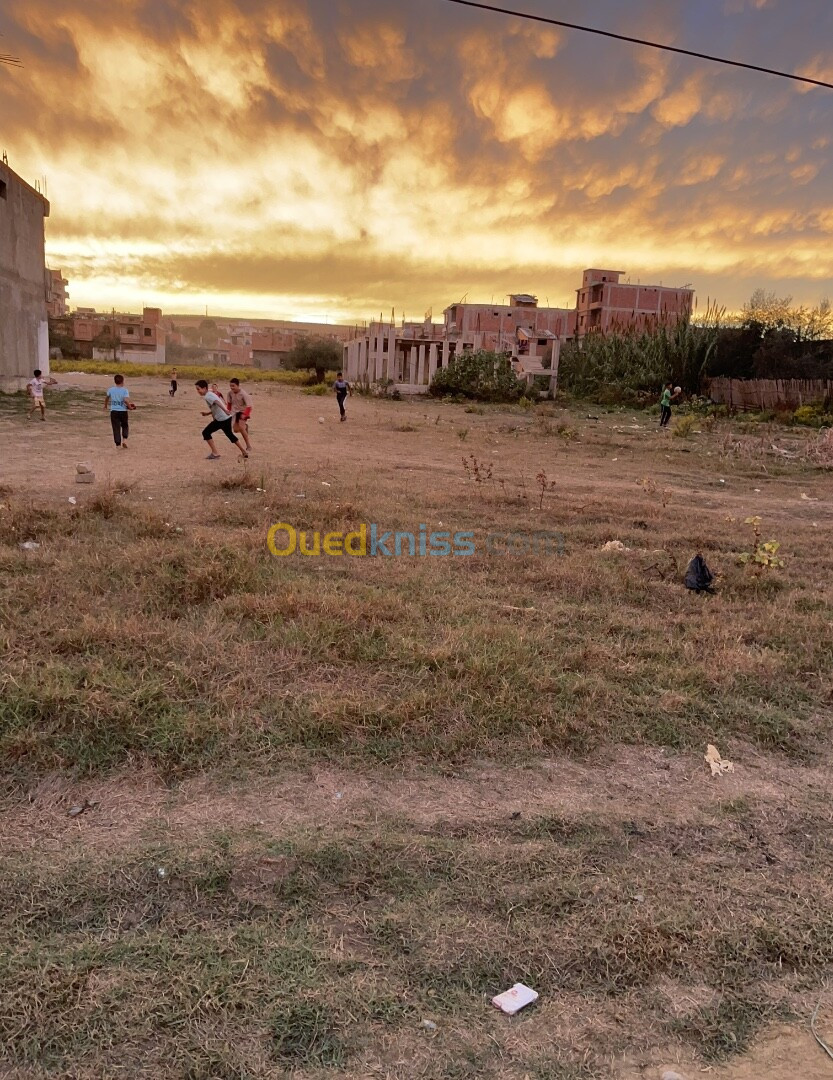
x=249 y=952
x=170 y=640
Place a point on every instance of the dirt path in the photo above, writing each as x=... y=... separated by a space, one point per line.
x=644 y=785
x=166 y=459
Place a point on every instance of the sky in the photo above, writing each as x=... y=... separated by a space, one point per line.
x=331 y=159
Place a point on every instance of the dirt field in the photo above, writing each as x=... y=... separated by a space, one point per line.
x=329 y=806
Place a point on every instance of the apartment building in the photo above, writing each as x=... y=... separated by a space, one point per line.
x=117 y=336
x=604 y=303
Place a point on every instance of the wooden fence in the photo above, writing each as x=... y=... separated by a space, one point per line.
x=755 y=394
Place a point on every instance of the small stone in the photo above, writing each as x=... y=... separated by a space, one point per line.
x=29 y=545
x=83 y=467
x=429 y=1025
x=76 y=811
x=85 y=478
x=72 y=501
x=671 y=1075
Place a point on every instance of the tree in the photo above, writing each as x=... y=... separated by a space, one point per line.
x=768 y=314
x=209 y=334
x=315 y=354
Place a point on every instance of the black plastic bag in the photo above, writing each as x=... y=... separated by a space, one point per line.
x=698 y=577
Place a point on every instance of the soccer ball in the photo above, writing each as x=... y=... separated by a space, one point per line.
x=320 y=419
x=678 y=389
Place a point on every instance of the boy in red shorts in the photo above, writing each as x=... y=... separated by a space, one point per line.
x=240 y=407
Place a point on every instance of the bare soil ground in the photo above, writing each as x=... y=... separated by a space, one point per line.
x=324 y=801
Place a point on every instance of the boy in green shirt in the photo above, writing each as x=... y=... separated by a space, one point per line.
x=665 y=405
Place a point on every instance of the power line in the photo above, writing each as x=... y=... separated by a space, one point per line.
x=12 y=61
x=641 y=41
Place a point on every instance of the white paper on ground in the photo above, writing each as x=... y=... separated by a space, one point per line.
x=515 y=999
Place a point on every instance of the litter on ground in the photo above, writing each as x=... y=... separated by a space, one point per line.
x=698 y=577
x=515 y=999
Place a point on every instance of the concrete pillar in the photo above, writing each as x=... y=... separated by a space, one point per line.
x=421 y=366
x=379 y=341
x=392 y=373
x=432 y=361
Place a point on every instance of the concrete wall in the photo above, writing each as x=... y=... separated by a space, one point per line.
x=24 y=338
x=126 y=355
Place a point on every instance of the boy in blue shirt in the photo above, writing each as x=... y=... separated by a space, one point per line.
x=117 y=401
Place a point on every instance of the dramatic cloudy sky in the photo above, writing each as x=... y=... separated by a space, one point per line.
x=333 y=158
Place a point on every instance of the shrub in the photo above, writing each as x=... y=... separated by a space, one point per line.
x=812 y=415
x=479 y=376
x=684 y=426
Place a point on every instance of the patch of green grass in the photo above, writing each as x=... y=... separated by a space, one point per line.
x=305 y=1033
x=726 y=1029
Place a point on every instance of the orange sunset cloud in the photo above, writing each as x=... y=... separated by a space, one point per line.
x=316 y=159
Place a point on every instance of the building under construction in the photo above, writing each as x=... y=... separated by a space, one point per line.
x=24 y=331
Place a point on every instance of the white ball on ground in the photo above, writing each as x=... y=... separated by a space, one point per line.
x=320 y=419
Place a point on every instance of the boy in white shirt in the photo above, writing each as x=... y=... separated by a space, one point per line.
x=221 y=420
x=34 y=388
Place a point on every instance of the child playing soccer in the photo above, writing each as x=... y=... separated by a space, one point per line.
x=240 y=406
x=117 y=401
x=174 y=384
x=34 y=388
x=342 y=389
x=665 y=404
x=221 y=420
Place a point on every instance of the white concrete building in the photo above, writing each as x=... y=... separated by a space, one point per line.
x=24 y=330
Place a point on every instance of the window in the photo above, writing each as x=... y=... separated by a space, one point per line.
x=3 y=190
x=130 y=329
x=148 y=332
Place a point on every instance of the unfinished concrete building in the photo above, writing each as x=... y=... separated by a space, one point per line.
x=24 y=330
x=531 y=337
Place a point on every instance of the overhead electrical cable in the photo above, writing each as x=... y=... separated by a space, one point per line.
x=642 y=41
